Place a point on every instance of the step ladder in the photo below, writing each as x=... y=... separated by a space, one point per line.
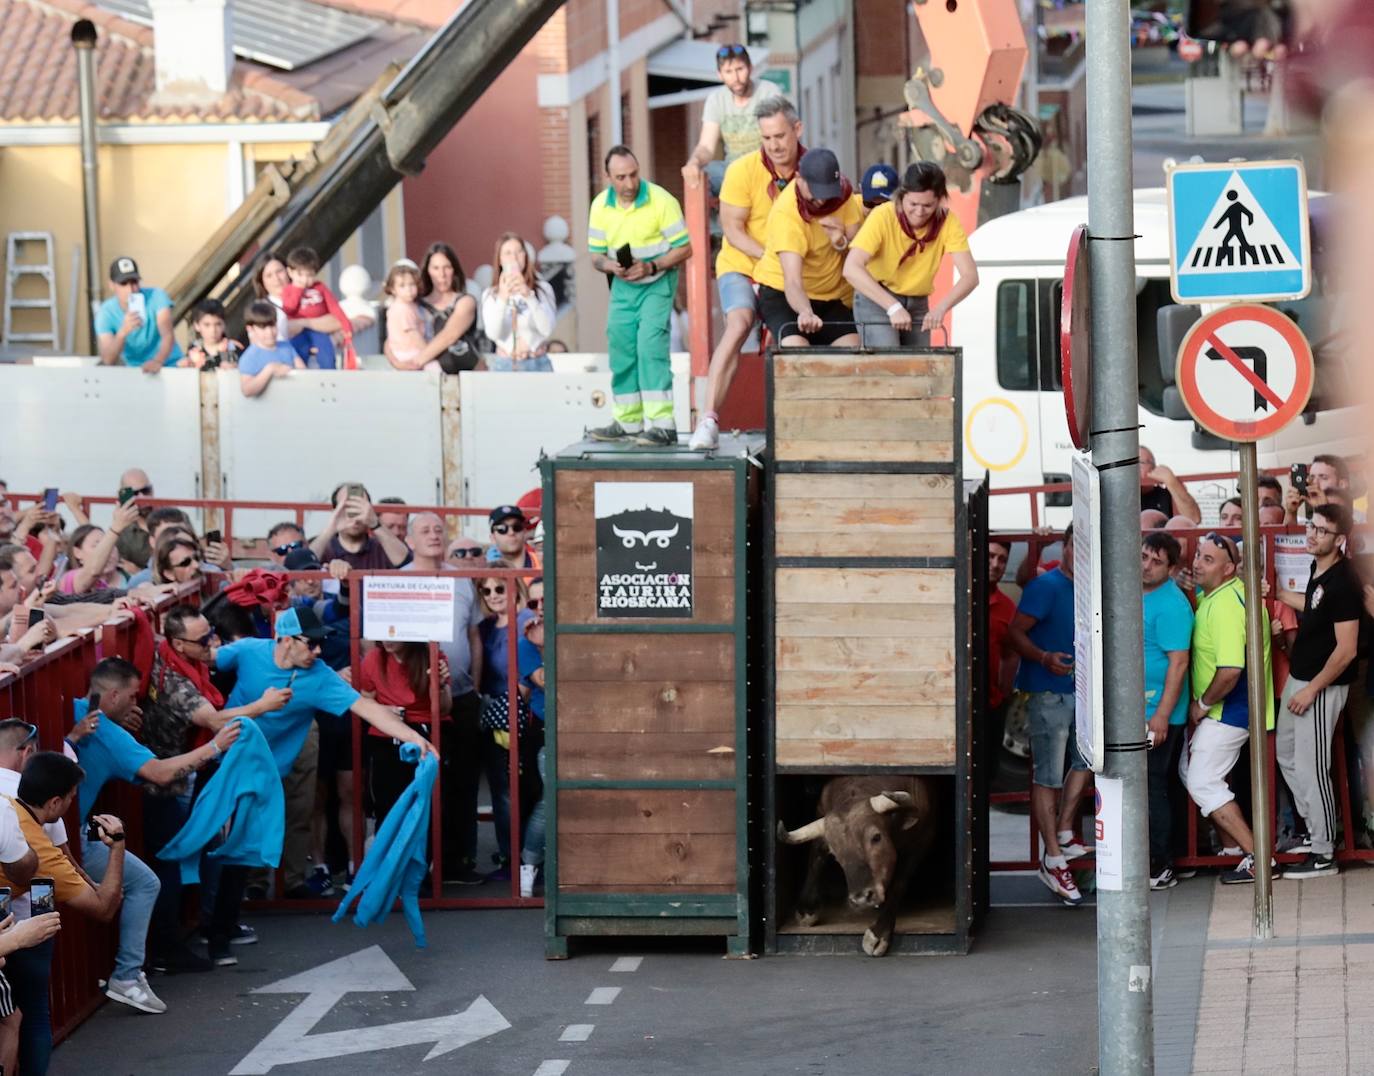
x=19 y=245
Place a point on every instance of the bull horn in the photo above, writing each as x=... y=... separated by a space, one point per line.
x=884 y=802
x=808 y=832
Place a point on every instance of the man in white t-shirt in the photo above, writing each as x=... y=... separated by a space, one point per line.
x=729 y=116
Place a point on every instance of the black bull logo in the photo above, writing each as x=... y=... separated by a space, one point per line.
x=644 y=564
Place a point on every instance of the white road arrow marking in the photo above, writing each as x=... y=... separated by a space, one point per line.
x=367 y=971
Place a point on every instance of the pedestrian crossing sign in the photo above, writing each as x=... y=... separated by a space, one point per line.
x=1238 y=232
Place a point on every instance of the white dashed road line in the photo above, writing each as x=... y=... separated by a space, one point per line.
x=576 y=1033
x=603 y=995
x=552 y=1068
x=627 y=963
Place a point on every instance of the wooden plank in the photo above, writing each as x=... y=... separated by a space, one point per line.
x=896 y=688
x=652 y=859
x=621 y=756
x=840 y=513
x=867 y=487
x=676 y=889
x=864 y=752
x=861 y=388
x=813 y=410
x=874 y=655
x=813 y=365
x=622 y=659
x=864 y=586
x=665 y=706
x=880 y=619
x=645 y=811
x=933 y=722
x=885 y=542
x=857 y=427
x=857 y=451
x=713 y=601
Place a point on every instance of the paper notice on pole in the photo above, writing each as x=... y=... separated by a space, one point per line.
x=1089 y=713
x=1107 y=819
x=408 y=608
x=1292 y=562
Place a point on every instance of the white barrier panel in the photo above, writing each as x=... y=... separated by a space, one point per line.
x=80 y=427
x=312 y=430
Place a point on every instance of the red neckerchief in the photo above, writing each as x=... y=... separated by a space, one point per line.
x=195 y=671
x=779 y=184
x=918 y=242
x=824 y=209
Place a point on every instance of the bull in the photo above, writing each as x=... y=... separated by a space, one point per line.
x=879 y=829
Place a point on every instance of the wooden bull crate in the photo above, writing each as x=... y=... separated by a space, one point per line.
x=647 y=761
x=872 y=541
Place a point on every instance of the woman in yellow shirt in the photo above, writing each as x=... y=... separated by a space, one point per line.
x=893 y=261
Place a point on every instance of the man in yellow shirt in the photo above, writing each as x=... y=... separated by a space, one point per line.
x=637 y=234
x=803 y=296
x=752 y=185
x=893 y=261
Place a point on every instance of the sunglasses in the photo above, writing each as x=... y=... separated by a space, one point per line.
x=535 y=603
x=282 y=550
x=463 y=554
x=146 y=491
x=183 y=563
x=507 y=528
x=499 y=588
x=725 y=52
x=204 y=640
x=1217 y=540
x=14 y=722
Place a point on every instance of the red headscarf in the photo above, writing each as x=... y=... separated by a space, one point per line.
x=195 y=671
x=824 y=209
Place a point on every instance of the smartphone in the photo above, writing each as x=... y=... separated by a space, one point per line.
x=59 y=565
x=42 y=896
x=127 y=494
x=35 y=617
x=508 y=266
x=1297 y=474
x=4 y=901
x=138 y=304
x=355 y=489
x=93 y=830
x=50 y=499
x=624 y=257
x=1228 y=21
x=213 y=537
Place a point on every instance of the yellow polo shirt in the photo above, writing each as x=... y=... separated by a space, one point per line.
x=822 y=265
x=652 y=225
x=747 y=185
x=883 y=238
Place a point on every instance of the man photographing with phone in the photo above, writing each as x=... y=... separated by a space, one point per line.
x=355 y=534
x=134 y=327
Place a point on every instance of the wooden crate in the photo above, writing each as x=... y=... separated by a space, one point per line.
x=871 y=536
x=646 y=749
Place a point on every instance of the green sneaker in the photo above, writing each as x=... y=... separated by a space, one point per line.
x=614 y=432
x=657 y=437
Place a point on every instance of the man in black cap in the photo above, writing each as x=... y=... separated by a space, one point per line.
x=134 y=327
x=509 y=532
x=803 y=295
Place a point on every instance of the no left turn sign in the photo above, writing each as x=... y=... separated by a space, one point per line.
x=1245 y=372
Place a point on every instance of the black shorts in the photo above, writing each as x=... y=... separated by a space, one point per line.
x=837 y=319
x=336 y=743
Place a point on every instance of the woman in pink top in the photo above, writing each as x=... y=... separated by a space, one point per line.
x=95 y=554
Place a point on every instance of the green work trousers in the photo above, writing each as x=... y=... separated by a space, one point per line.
x=637 y=336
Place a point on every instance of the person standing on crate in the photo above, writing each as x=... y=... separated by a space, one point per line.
x=894 y=260
x=752 y=184
x=803 y=296
x=638 y=237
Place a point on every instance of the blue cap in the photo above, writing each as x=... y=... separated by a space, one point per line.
x=878 y=183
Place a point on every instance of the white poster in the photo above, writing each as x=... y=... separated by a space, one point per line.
x=408 y=608
x=1292 y=562
x=1107 y=816
x=1089 y=712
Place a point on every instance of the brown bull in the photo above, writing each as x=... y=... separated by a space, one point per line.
x=879 y=830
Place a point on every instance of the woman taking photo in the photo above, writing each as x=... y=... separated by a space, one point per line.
x=452 y=314
x=894 y=259
x=518 y=311
x=396 y=674
x=95 y=554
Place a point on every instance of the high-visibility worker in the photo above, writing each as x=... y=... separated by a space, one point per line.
x=893 y=260
x=637 y=234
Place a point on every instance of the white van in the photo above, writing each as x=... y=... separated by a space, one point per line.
x=1015 y=427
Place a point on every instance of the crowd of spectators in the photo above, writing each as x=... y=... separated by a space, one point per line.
x=1321 y=622
x=245 y=641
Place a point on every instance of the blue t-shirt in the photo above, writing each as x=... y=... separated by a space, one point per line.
x=255 y=360
x=1168 y=626
x=1049 y=599
x=531 y=659
x=141 y=344
x=316 y=688
x=109 y=753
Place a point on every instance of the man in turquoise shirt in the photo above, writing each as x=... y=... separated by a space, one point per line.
x=1168 y=634
x=134 y=327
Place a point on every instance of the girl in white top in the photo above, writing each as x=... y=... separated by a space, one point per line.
x=405 y=324
x=519 y=311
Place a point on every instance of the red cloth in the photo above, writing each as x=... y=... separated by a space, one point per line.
x=824 y=209
x=1001 y=612
x=258 y=587
x=144 y=647
x=34 y=546
x=779 y=184
x=918 y=242
x=384 y=677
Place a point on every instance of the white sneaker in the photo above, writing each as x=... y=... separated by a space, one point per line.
x=527 y=872
x=1075 y=849
x=706 y=436
x=136 y=993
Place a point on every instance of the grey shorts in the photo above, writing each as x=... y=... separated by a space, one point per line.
x=1054 y=748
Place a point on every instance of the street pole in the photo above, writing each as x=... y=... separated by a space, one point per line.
x=1256 y=624
x=1124 y=1011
